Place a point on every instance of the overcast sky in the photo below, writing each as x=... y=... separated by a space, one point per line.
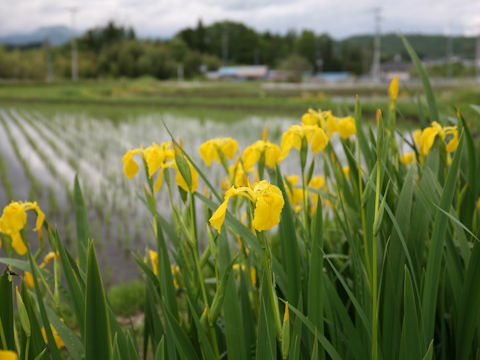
x=162 y=18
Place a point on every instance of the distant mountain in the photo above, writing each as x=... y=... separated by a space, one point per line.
x=57 y=35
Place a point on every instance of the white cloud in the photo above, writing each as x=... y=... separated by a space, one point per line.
x=162 y=18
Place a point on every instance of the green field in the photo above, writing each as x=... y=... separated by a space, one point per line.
x=228 y=101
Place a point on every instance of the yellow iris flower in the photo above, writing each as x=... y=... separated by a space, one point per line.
x=294 y=136
x=58 y=340
x=252 y=154
x=154 y=259
x=48 y=258
x=393 y=89
x=181 y=181
x=237 y=176
x=318 y=118
x=317 y=182
x=408 y=158
x=210 y=149
x=295 y=195
x=268 y=202
x=14 y=219
x=157 y=157
x=28 y=278
x=7 y=355
x=345 y=126
x=428 y=135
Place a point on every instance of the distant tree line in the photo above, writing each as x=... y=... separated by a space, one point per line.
x=114 y=51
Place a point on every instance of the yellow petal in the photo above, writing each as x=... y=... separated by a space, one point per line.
x=273 y=155
x=218 y=216
x=268 y=206
x=209 y=149
x=286 y=316
x=155 y=156
x=40 y=217
x=49 y=257
x=18 y=244
x=159 y=181
x=14 y=218
x=250 y=157
x=130 y=167
x=417 y=134
x=7 y=355
x=229 y=148
x=309 y=119
x=207 y=152
x=28 y=278
x=408 y=158
x=426 y=139
x=453 y=143
x=154 y=258
x=253 y=275
x=292 y=137
x=317 y=182
x=331 y=125
x=393 y=89
x=346 y=127
x=58 y=340
x=319 y=140
x=183 y=184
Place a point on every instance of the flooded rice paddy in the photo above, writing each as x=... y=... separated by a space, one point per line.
x=41 y=153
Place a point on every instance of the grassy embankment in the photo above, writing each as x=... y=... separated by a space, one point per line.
x=222 y=101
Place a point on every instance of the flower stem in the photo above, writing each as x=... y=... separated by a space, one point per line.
x=267 y=259
x=374 y=267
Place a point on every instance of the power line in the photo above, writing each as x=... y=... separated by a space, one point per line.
x=376 y=45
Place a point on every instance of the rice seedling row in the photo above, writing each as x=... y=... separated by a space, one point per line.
x=52 y=142
x=41 y=150
x=35 y=186
x=5 y=181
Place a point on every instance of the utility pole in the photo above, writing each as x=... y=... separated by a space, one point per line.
x=73 y=11
x=449 y=53
x=225 y=46
x=376 y=45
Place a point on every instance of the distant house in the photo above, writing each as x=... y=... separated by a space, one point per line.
x=389 y=69
x=333 y=77
x=244 y=72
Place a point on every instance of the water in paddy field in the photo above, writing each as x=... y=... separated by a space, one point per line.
x=48 y=150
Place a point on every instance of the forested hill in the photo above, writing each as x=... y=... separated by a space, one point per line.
x=117 y=51
x=427 y=46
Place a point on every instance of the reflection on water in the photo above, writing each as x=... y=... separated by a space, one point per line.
x=93 y=148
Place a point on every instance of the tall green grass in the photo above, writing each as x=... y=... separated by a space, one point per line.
x=384 y=267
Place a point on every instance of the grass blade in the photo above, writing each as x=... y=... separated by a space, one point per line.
x=81 y=218
x=432 y=275
x=288 y=238
x=432 y=104
x=7 y=340
x=97 y=326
